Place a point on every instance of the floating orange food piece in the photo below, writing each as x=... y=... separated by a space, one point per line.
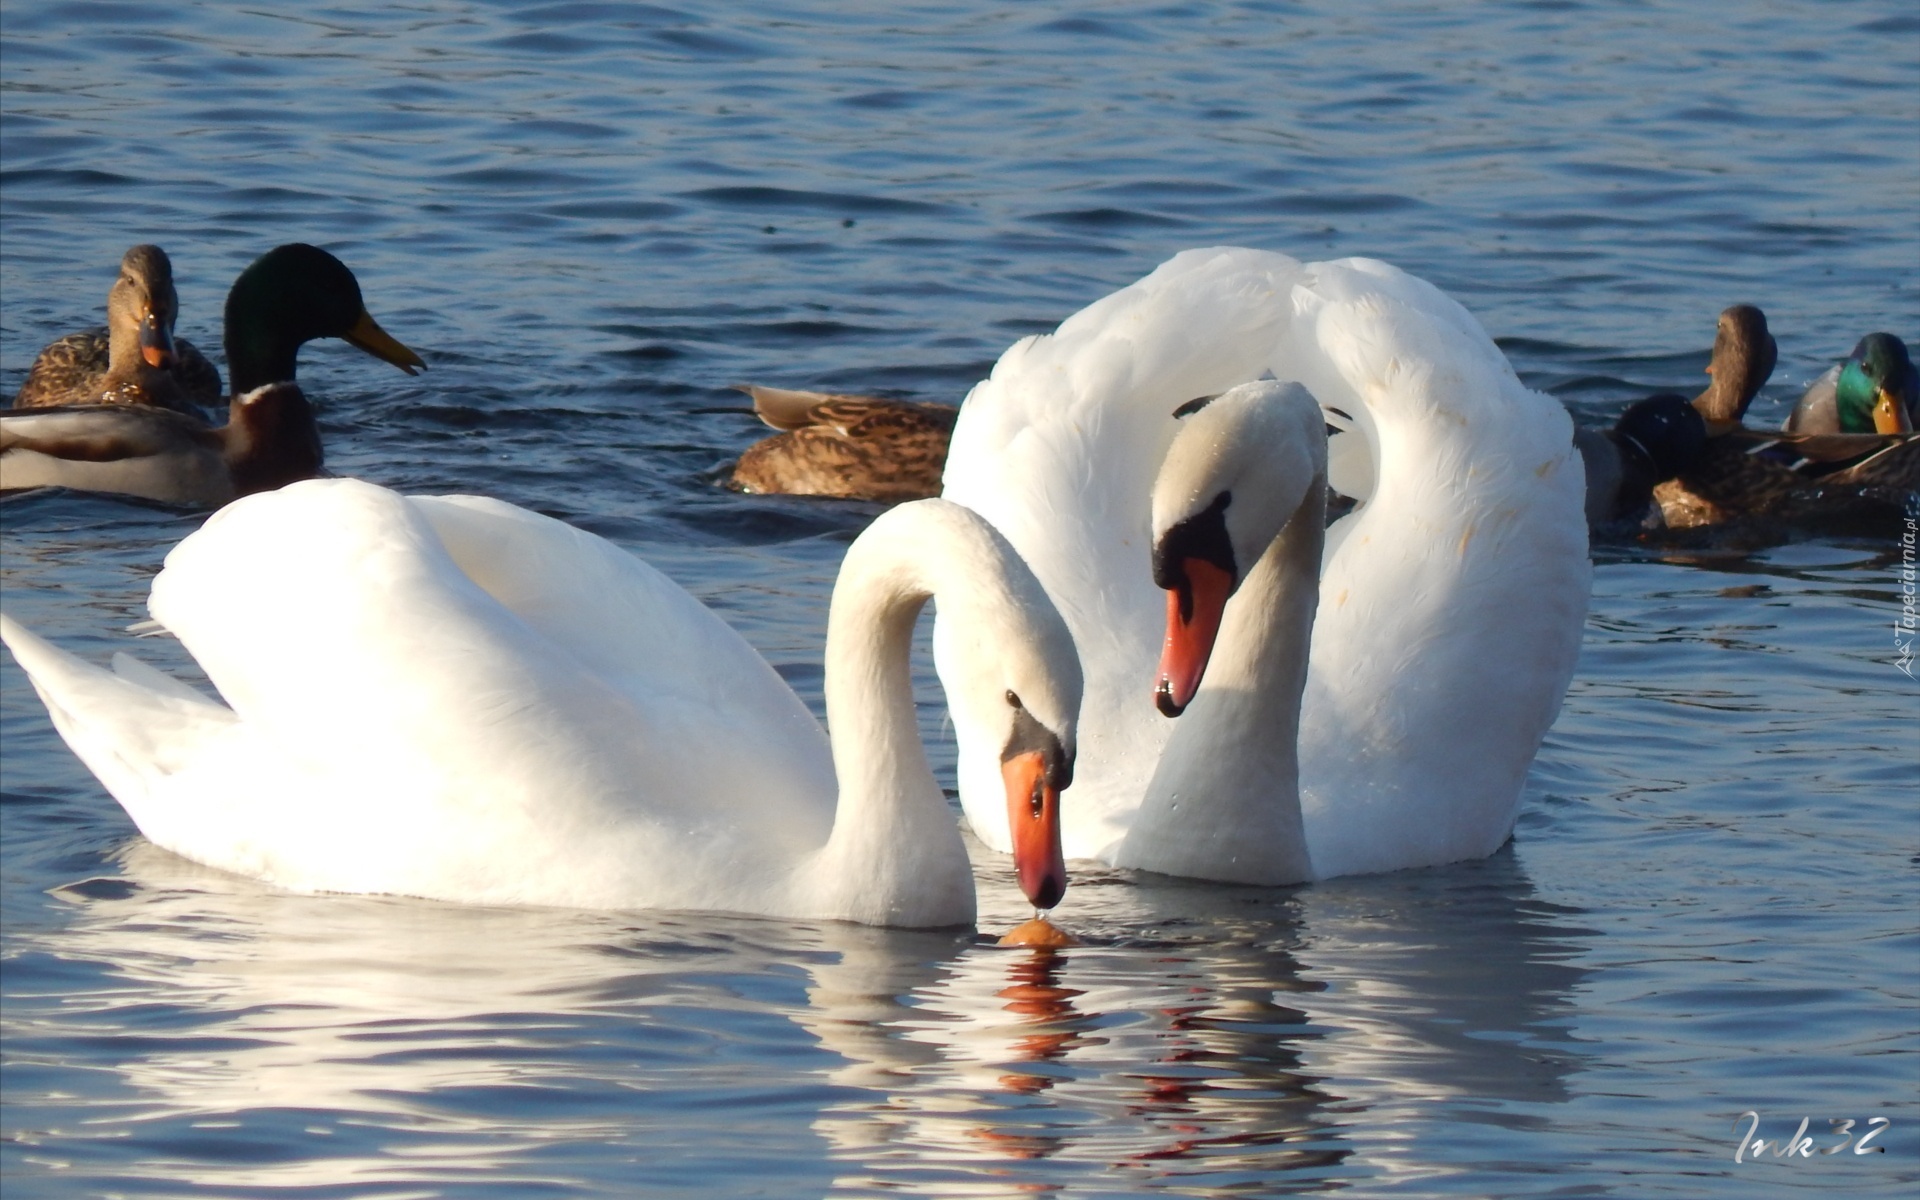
x=1039 y=932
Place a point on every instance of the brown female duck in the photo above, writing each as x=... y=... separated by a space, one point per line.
x=132 y=359
x=850 y=447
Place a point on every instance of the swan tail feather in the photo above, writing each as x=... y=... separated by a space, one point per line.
x=134 y=727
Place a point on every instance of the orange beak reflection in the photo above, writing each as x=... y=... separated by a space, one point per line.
x=1193 y=622
x=1033 y=813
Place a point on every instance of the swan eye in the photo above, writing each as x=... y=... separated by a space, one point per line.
x=1013 y=699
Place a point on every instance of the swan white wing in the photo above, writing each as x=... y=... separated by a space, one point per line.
x=395 y=728
x=652 y=641
x=1452 y=603
x=1058 y=449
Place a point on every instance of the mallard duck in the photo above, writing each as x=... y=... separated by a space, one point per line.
x=1654 y=439
x=1744 y=472
x=1876 y=390
x=850 y=447
x=285 y=298
x=132 y=359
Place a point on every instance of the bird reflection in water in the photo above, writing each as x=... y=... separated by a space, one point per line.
x=1033 y=993
x=1002 y=1061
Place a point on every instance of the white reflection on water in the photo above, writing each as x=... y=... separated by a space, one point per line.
x=1206 y=1039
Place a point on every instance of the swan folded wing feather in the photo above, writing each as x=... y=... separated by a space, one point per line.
x=413 y=698
x=619 y=617
x=129 y=732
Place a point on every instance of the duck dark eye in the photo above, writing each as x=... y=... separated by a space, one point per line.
x=1013 y=699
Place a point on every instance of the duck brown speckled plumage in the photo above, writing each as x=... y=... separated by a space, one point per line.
x=132 y=359
x=1756 y=474
x=848 y=447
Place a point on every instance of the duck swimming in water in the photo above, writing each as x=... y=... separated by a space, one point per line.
x=1751 y=474
x=269 y=441
x=849 y=447
x=134 y=358
x=286 y=298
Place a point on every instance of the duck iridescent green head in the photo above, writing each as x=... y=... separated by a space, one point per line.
x=1876 y=391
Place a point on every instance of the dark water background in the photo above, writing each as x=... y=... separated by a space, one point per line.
x=593 y=217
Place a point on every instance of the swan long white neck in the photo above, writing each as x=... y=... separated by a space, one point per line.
x=895 y=842
x=1224 y=802
x=1224 y=799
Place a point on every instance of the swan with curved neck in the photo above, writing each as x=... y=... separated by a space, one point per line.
x=458 y=699
x=1450 y=602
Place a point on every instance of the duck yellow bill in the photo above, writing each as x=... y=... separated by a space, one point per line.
x=156 y=342
x=1889 y=415
x=367 y=334
x=1033 y=813
x=1193 y=622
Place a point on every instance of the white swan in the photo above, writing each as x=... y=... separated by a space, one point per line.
x=1451 y=601
x=455 y=698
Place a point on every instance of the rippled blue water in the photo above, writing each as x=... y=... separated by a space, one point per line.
x=593 y=217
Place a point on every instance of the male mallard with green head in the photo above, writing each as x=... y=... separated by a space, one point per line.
x=1876 y=390
x=134 y=358
x=1654 y=440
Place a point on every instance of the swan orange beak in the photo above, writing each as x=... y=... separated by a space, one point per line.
x=156 y=342
x=1889 y=415
x=1033 y=813
x=1193 y=622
